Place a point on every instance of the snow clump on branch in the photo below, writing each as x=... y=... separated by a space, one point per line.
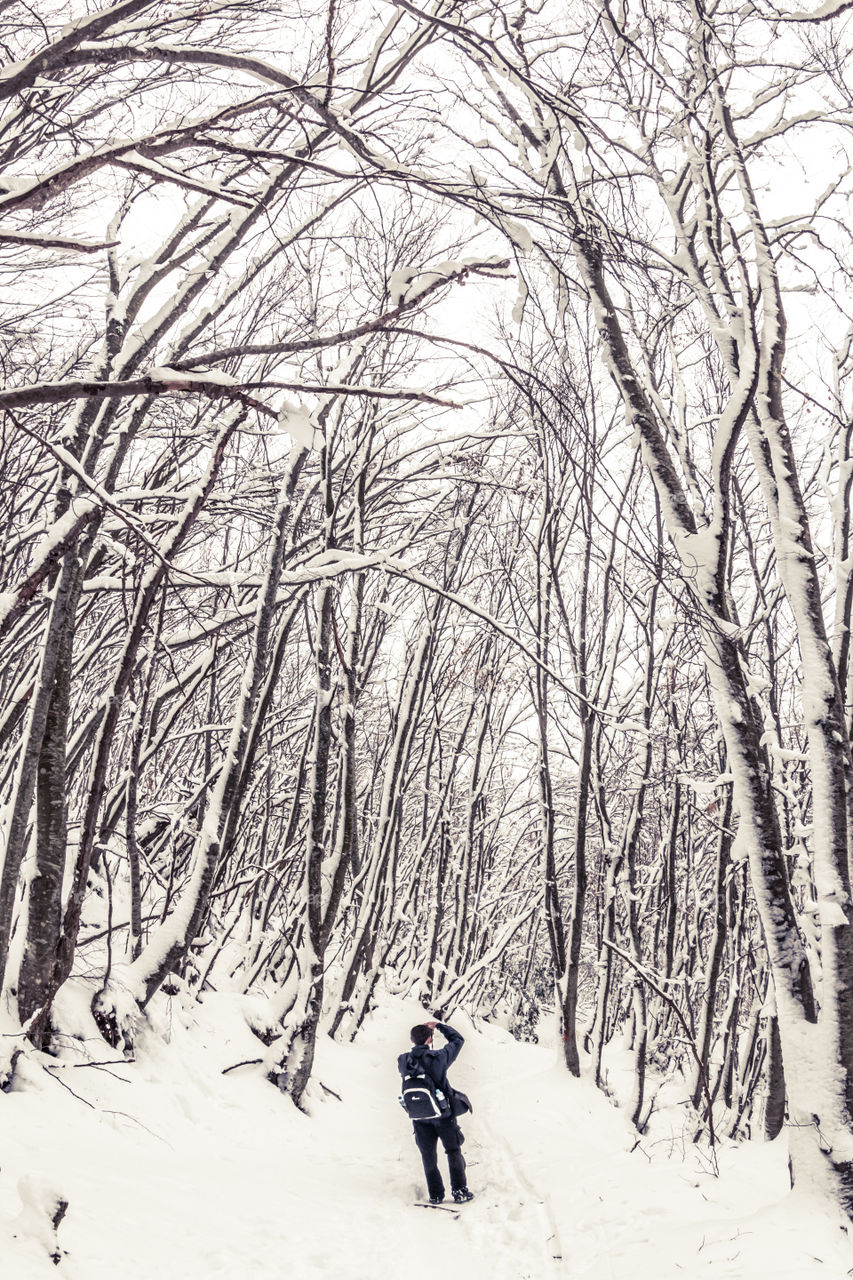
x=406 y=284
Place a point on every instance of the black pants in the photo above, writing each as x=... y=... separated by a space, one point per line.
x=427 y=1134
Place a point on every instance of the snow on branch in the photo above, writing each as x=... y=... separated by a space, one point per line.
x=217 y=386
x=829 y=9
x=15 y=76
x=19 y=193
x=53 y=242
x=155 y=382
x=148 y=51
x=407 y=284
x=254 y=68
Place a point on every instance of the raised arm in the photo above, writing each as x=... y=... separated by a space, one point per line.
x=450 y=1052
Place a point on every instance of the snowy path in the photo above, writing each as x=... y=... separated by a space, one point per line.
x=182 y=1173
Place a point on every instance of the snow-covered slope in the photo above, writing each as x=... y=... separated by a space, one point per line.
x=171 y=1169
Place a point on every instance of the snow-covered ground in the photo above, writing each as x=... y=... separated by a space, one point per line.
x=173 y=1170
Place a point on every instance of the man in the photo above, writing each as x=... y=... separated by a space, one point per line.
x=434 y=1063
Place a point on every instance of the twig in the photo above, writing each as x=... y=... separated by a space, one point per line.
x=85 y=1101
x=250 y=1062
x=100 y=1066
x=111 y=1062
x=108 y=1111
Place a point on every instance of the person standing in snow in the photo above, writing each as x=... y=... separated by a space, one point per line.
x=434 y=1063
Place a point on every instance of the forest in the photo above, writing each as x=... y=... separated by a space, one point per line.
x=426 y=455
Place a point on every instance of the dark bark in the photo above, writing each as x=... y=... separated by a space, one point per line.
x=44 y=912
x=60 y=621
x=774 y=1113
x=718 y=944
x=578 y=900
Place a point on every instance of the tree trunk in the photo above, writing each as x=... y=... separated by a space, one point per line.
x=44 y=911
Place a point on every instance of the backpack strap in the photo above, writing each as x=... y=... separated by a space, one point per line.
x=418 y=1067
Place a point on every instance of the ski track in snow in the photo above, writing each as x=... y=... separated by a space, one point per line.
x=518 y=1212
x=181 y=1173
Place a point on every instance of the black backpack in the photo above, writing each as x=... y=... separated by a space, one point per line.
x=421 y=1098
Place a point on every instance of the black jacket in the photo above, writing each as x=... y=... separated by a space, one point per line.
x=434 y=1063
